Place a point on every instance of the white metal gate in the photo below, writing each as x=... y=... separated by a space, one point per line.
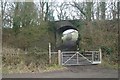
x=77 y=58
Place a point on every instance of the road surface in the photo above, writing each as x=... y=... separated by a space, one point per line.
x=89 y=71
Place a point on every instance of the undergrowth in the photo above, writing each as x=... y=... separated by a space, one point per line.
x=27 y=63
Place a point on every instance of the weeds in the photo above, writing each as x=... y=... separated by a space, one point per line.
x=27 y=63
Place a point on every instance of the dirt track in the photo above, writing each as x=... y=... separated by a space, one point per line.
x=91 y=71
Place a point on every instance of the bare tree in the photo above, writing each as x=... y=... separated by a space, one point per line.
x=89 y=10
x=114 y=10
x=3 y=7
x=80 y=7
x=98 y=11
x=45 y=10
x=61 y=10
x=103 y=5
x=42 y=4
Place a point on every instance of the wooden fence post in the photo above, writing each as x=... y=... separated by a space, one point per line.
x=100 y=55
x=92 y=57
x=49 y=53
x=59 y=57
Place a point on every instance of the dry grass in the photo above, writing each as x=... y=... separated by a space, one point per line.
x=19 y=62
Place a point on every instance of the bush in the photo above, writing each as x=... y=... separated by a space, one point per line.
x=30 y=37
x=106 y=50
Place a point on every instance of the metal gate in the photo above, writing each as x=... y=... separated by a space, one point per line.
x=78 y=58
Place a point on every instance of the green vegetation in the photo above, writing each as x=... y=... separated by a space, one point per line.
x=34 y=41
x=29 y=27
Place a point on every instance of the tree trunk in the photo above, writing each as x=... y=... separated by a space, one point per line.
x=46 y=14
x=98 y=11
x=88 y=11
x=103 y=10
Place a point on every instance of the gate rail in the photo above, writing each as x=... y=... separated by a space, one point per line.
x=96 y=57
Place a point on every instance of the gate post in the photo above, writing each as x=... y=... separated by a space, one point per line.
x=49 y=53
x=92 y=57
x=59 y=57
x=100 y=55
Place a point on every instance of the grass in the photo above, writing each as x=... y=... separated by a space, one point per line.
x=27 y=63
x=30 y=69
x=54 y=67
x=108 y=64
